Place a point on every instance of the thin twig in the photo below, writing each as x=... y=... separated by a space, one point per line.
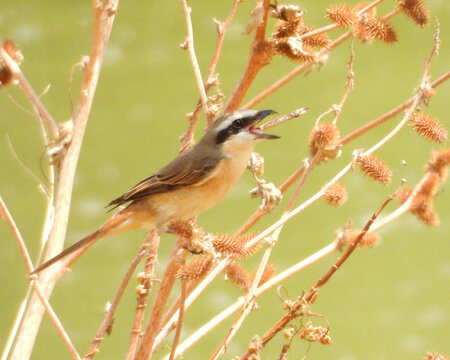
x=108 y=319
x=179 y=322
x=143 y=296
x=190 y=47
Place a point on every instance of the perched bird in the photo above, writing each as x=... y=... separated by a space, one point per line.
x=192 y=183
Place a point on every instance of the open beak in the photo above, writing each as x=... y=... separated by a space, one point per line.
x=256 y=130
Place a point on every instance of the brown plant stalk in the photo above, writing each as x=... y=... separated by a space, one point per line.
x=143 y=296
x=103 y=20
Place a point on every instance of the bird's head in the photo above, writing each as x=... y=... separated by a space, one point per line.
x=240 y=127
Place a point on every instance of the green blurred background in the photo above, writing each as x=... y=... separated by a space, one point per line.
x=389 y=302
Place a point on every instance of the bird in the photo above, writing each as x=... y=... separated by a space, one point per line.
x=193 y=182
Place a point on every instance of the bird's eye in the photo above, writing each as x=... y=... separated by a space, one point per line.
x=238 y=123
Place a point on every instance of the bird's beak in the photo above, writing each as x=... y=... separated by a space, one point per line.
x=256 y=130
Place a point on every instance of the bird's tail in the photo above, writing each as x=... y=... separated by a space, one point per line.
x=114 y=226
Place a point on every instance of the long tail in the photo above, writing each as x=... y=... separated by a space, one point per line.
x=111 y=227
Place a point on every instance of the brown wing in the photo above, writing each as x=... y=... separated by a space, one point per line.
x=186 y=169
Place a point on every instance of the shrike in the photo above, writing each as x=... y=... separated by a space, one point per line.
x=192 y=183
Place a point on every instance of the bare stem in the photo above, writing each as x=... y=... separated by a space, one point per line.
x=143 y=296
x=107 y=321
x=179 y=322
x=190 y=47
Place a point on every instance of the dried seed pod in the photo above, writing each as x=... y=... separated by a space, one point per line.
x=439 y=162
x=379 y=30
x=234 y=246
x=428 y=127
x=319 y=40
x=266 y=52
x=198 y=267
x=268 y=273
x=323 y=136
x=370 y=239
x=286 y=12
x=341 y=15
x=336 y=194
x=430 y=185
x=285 y=29
x=293 y=48
x=238 y=275
x=416 y=11
x=422 y=206
x=374 y=168
x=403 y=194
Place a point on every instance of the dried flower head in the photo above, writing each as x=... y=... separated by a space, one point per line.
x=319 y=40
x=430 y=185
x=423 y=207
x=256 y=164
x=266 y=51
x=341 y=15
x=370 y=239
x=234 y=245
x=374 y=168
x=6 y=75
x=403 y=194
x=324 y=136
x=198 y=267
x=238 y=275
x=428 y=127
x=293 y=48
x=439 y=162
x=416 y=11
x=286 y=12
x=336 y=194
x=378 y=29
x=285 y=29
x=359 y=29
x=315 y=334
x=268 y=273
x=186 y=229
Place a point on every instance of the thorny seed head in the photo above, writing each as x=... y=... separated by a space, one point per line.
x=341 y=15
x=324 y=136
x=423 y=207
x=268 y=273
x=336 y=194
x=234 y=245
x=198 y=267
x=238 y=275
x=320 y=40
x=439 y=162
x=416 y=11
x=436 y=356
x=374 y=168
x=370 y=239
x=378 y=29
x=295 y=49
x=428 y=127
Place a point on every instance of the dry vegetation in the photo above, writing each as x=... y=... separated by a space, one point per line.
x=291 y=37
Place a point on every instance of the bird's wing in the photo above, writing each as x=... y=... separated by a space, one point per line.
x=182 y=171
